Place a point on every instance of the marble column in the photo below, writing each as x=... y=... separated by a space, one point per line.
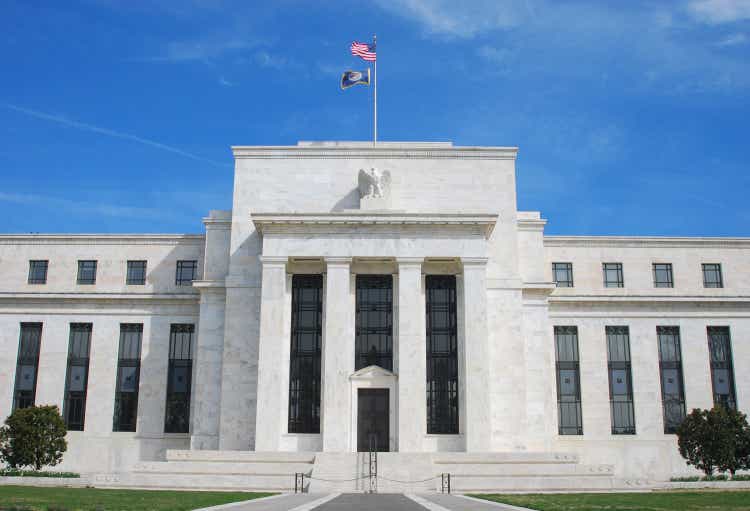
x=209 y=351
x=478 y=415
x=268 y=426
x=338 y=355
x=412 y=358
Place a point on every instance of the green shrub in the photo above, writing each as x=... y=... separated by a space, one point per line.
x=12 y=472
x=716 y=439
x=688 y=479
x=33 y=437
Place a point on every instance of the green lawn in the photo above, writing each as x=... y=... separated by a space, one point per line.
x=656 y=501
x=80 y=499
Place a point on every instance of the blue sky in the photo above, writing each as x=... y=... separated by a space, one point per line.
x=631 y=117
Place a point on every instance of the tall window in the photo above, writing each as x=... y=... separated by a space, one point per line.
x=563 y=274
x=87 y=272
x=613 y=275
x=304 y=360
x=568 y=380
x=663 y=275
x=670 y=369
x=620 y=380
x=179 y=379
x=128 y=375
x=136 y=273
x=77 y=375
x=722 y=370
x=442 y=355
x=712 y=275
x=374 y=321
x=27 y=365
x=186 y=272
x=38 y=272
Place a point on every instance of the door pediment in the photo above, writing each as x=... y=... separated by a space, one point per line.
x=372 y=373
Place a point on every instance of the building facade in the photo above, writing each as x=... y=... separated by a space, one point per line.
x=386 y=297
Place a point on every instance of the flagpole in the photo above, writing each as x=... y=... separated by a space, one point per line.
x=375 y=105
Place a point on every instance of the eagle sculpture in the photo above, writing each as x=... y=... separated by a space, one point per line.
x=374 y=183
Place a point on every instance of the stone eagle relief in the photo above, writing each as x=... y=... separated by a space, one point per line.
x=374 y=189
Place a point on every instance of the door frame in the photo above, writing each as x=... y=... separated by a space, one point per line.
x=374 y=377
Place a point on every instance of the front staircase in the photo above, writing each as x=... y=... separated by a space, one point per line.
x=350 y=472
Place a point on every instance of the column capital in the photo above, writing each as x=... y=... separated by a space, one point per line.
x=273 y=260
x=409 y=261
x=336 y=260
x=474 y=261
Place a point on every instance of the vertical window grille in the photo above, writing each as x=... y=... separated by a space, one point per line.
x=136 y=274
x=670 y=369
x=27 y=365
x=179 y=379
x=86 y=272
x=568 y=380
x=305 y=354
x=613 y=276
x=722 y=370
x=620 y=380
x=77 y=375
x=374 y=321
x=562 y=273
x=663 y=275
x=712 y=275
x=38 y=272
x=128 y=375
x=442 y=355
x=186 y=272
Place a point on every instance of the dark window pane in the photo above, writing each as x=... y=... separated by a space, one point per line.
x=76 y=381
x=27 y=364
x=722 y=369
x=442 y=358
x=670 y=367
x=613 y=276
x=38 y=272
x=374 y=321
x=128 y=374
x=568 y=381
x=562 y=273
x=305 y=354
x=86 y=272
x=663 y=275
x=179 y=379
x=712 y=275
x=187 y=271
x=620 y=383
x=136 y=273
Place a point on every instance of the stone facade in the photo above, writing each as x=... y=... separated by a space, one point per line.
x=444 y=210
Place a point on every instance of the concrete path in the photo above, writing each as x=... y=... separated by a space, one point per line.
x=444 y=502
x=283 y=502
x=371 y=502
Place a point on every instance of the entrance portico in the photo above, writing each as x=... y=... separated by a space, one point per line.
x=340 y=246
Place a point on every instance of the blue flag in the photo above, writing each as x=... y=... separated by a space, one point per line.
x=351 y=78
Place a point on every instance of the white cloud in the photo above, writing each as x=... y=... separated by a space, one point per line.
x=733 y=40
x=64 y=121
x=265 y=59
x=461 y=19
x=72 y=206
x=226 y=83
x=720 y=11
x=203 y=50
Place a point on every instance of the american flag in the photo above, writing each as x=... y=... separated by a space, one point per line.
x=363 y=50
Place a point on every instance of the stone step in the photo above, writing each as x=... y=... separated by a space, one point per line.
x=496 y=484
x=222 y=467
x=504 y=457
x=240 y=456
x=526 y=470
x=237 y=482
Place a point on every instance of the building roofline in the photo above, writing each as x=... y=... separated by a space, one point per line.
x=639 y=241
x=429 y=150
x=117 y=239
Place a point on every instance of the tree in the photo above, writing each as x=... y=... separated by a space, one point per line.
x=716 y=439
x=33 y=436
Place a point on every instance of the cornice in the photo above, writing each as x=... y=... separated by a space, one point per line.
x=380 y=150
x=648 y=298
x=644 y=241
x=102 y=239
x=286 y=222
x=172 y=297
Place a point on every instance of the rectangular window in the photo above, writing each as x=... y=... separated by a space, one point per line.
x=670 y=370
x=128 y=377
x=722 y=370
x=613 y=275
x=620 y=380
x=136 y=273
x=374 y=321
x=712 y=275
x=38 y=272
x=663 y=275
x=305 y=354
x=186 y=272
x=27 y=365
x=87 y=272
x=562 y=273
x=77 y=375
x=179 y=379
x=568 y=380
x=442 y=355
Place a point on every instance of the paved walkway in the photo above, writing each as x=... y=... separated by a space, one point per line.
x=364 y=502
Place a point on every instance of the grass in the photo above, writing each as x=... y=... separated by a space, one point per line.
x=28 y=498
x=655 y=501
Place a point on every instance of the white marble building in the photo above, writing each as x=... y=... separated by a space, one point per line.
x=391 y=295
